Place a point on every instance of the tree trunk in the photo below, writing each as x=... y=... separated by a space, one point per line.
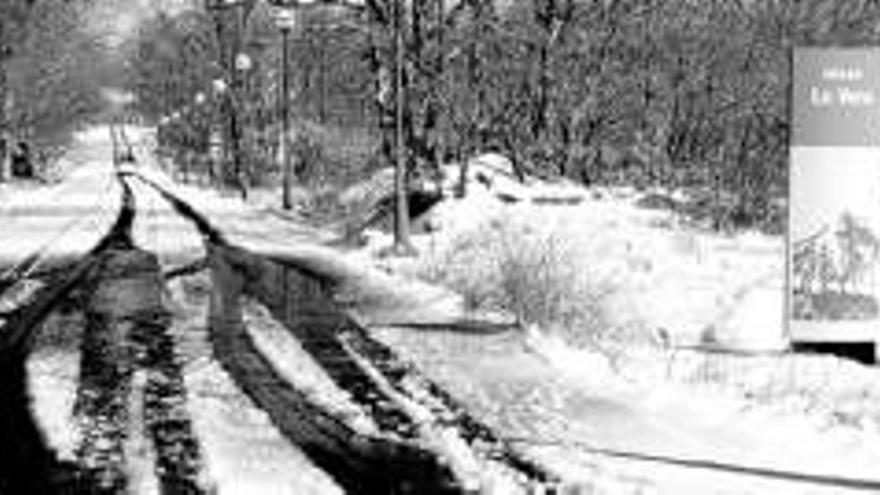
x=402 y=242
x=5 y=144
x=474 y=87
x=322 y=81
x=539 y=122
x=438 y=87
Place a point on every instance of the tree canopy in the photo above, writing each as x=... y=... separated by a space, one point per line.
x=51 y=70
x=671 y=92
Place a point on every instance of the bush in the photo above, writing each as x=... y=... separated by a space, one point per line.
x=533 y=276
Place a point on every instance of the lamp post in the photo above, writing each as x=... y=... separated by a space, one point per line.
x=232 y=56
x=232 y=108
x=243 y=66
x=285 y=19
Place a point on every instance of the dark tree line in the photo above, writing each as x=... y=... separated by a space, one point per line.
x=671 y=92
x=52 y=69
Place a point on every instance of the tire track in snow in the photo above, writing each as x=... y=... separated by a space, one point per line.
x=318 y=328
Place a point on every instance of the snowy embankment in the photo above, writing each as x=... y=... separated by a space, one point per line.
x=652 y=274
x=645 y=292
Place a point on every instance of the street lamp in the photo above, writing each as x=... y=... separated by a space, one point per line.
x=402 y=242
x=243 y=62
x=285 y=19
x=219 y=86
x=231 y=48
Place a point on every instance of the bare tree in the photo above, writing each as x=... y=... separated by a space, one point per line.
x=859 y=248
x=52 y=74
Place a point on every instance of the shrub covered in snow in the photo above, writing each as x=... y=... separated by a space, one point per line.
x=505 y=265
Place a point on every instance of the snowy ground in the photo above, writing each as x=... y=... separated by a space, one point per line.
x=654 y=275
x=665 y=287
x=547 y=390
x=53 y=371
x=661 y=288
x=244 y=452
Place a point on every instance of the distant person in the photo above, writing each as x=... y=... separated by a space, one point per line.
x=124 y=155
x=22 y=165
x=128 y=155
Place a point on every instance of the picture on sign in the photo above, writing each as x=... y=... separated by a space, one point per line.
x=834 y=213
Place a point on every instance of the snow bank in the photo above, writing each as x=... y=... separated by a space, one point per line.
x=663 y=277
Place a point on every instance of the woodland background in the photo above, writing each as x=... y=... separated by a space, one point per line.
x=676 y=93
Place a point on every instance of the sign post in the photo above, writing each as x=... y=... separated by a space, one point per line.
x=834 y=189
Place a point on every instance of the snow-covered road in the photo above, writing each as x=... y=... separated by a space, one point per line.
x=63 y=220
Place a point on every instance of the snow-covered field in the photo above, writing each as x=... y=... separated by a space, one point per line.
x=652 y=296
x=629 y=296
x=649 y=272
x=648 y=289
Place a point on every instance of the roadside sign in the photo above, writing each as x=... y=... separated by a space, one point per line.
x=833 y=251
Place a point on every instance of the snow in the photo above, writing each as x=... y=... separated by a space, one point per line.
x=661 y=275
x=244 y=453
x=680 y=287
x=159 y=229
x=52 y=379
x=63 y=220
x=544 y=388
x=139 y=453
x=300 y=369
x=591 y=369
